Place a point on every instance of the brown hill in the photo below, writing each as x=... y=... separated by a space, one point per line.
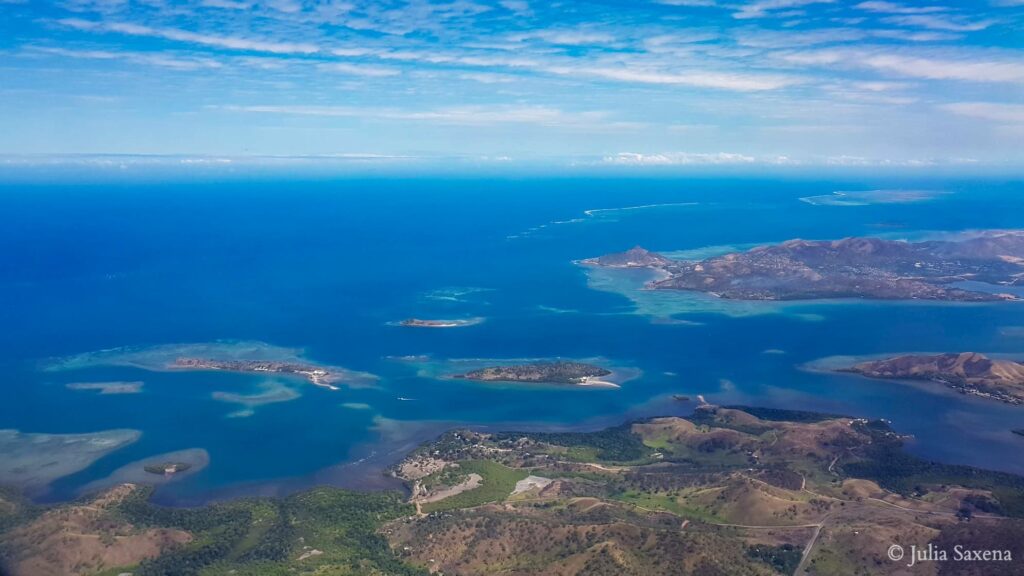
x=967 y=372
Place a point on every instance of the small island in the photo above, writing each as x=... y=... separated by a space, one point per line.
x=421 y=323
x=966 y=372
x=314 y=374
x=572 y=373
x=635 y=257
x=969 y=268
x=167 y=468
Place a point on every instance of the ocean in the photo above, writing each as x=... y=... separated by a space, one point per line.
x=329 y=267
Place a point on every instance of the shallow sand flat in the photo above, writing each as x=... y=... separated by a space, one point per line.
x=162 y=358
x=270 y=392
x=31 y=461
x=135 y=472
x=107 y=388
x=869 y=197
x=660 y=304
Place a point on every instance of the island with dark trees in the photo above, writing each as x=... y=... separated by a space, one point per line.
x=317 y=375
x=966 y=372
x=575 y=373
x=871 y=268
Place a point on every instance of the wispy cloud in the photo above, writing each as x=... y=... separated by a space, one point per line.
x=976 y=69
x=763 y=8
x=678 y=159
x=359 y=70
x=460 y=115
x=688 y=3
x=988 y=111
x=156 y=59
x=700 y=79
x=936 y=22
x=948 y=69
x=178 y=35
x=894 y=8
x=811 y=77
x=580 y=37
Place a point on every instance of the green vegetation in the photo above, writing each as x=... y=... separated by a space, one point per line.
x=498 y=482
x=784 y=559
x=666 y=502
x=618 y=444
x=264 y=537
x=14 y=509
x=449 y=476
x=710 y=419
x=892 y=468
x=782 y=415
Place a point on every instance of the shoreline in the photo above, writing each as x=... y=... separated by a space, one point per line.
x=367 y=469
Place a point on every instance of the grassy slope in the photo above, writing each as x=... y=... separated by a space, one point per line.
x=498 y=483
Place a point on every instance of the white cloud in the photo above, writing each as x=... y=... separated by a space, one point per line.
x=460 y=115
x=488 y=78
x=670 y=43
x=933 y=22
x=763 y=8
x=229 y=4
x=688 y=3
x=699 y=79
x=948 y=69
x=177 y=35
x=962 y=67
x=894 y=8
x=151 y=59
x=566 y=37
x=879 y=86
x=520 y=7
x=360 y=70
x=914 y=36
x=677 y=159
x=988 y=111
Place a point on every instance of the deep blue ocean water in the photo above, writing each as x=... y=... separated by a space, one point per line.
x=327 y=265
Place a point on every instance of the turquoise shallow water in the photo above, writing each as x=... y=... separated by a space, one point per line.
x=329 y=266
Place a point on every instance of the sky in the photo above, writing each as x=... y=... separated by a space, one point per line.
x=641 y=83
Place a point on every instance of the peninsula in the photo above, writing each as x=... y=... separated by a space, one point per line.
x=574 y=373
x=314 y=374
x=966 y=372
x=871 y=268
